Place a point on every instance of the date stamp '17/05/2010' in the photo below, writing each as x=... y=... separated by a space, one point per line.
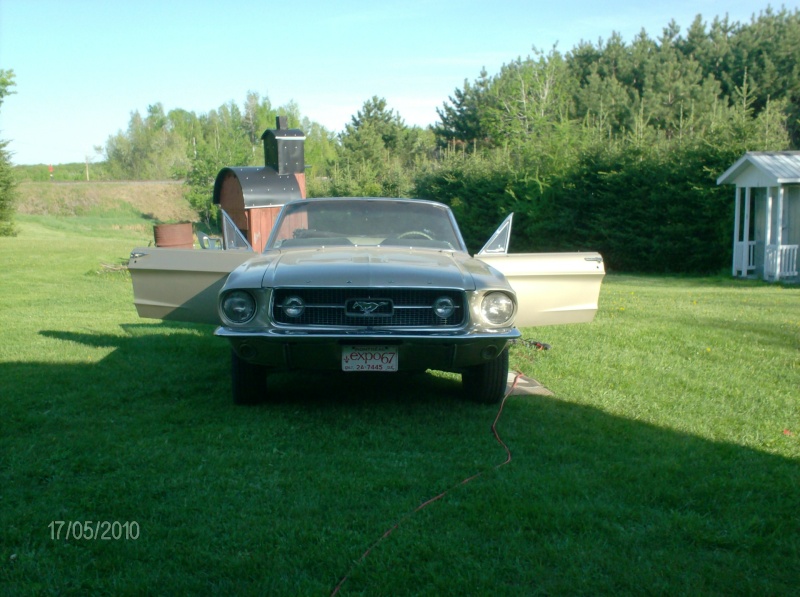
x=94 y=530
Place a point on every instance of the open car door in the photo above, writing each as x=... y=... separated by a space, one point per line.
x=181 y=284
x=551 y=288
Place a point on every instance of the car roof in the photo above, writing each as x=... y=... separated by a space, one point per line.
x=385 y=199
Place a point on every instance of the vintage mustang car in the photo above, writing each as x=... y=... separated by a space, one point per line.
x=368 y=285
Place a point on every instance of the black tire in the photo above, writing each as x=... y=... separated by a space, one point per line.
x=248 y=381
x=487 y=383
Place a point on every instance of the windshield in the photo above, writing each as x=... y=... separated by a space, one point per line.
x=366 y=222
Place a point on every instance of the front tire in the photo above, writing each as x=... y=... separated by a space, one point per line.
x=248 y=381
x=486 y=383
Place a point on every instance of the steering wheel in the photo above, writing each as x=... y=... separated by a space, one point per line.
x=415 y=234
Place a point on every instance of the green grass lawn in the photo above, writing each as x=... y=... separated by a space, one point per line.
x=668 y=461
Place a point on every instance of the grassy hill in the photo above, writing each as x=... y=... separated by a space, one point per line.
x=160 y=201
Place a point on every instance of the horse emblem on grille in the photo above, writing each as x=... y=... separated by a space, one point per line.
x=368 y=307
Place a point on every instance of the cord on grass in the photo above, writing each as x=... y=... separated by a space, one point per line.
x=436 y=498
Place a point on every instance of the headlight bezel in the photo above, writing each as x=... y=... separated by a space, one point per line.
x=497 y=308
x=246 y=303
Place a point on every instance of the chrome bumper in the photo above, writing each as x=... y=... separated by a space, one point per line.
x=282 y=349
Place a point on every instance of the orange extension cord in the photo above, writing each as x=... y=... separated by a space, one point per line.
x=427 y=503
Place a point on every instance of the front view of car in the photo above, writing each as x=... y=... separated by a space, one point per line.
x=367 y=285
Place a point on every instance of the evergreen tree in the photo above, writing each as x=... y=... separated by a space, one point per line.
x=460 y=118
x=7 y=181
x=372 y=132
x=378 y=153
x=7 y=192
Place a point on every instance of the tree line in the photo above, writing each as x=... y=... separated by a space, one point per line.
x=612 y=146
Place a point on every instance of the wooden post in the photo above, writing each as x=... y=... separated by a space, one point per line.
x=746 y=235
x=779 y=231
x=768 y=235
x=736 y=253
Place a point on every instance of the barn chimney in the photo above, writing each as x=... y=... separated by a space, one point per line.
x=283 y=148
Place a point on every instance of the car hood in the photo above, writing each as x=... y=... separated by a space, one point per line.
x=369 y=267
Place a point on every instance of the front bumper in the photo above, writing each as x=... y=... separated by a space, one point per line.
x=281 y=349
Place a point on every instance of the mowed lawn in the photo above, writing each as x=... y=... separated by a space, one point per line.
x=667 y=462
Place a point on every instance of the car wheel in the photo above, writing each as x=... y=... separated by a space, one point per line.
x=248 y=381
x=487 y=383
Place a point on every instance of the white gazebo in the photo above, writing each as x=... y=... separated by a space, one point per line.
x=766 y=229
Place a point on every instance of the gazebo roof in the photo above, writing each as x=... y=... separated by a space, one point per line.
x=783 y=167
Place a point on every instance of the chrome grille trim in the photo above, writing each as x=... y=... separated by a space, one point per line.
x=410 y=307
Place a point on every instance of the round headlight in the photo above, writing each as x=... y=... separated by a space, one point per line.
x=444 y=307
x=497 y=308
x=239 y=306
x=293 y=306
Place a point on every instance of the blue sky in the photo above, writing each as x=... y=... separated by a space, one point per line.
x=82 y=66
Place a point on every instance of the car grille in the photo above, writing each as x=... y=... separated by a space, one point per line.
x=369 y=307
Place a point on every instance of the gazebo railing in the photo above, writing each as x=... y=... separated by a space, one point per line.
x=781 y=261
x=744 y=257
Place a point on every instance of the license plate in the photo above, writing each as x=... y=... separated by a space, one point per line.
x=369 y=358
